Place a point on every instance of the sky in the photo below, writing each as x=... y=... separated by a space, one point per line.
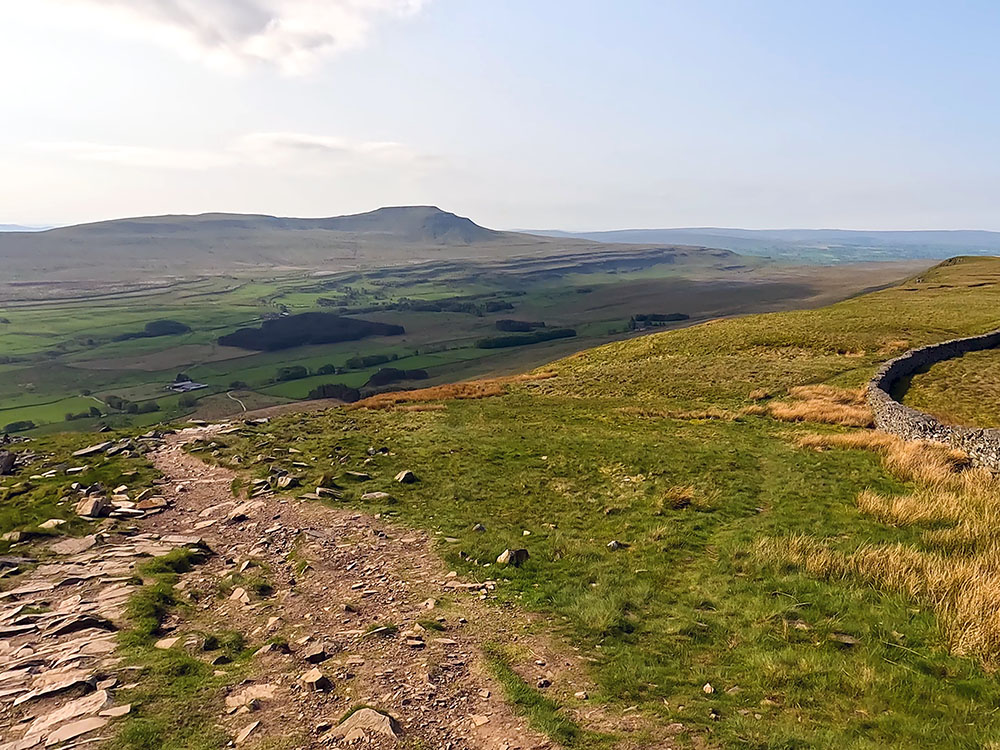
x=569 y=114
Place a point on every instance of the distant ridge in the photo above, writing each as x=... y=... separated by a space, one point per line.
x=835 y=244
x=151 y=248
x=416 y=224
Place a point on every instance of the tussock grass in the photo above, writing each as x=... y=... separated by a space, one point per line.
x=823 y=404
x=472 y=389
x=821 y=392
x=957 y=570
x=686 y=414
x=921 y=461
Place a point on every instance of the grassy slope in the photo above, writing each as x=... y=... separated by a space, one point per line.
x=571 y=461
x=976 y=377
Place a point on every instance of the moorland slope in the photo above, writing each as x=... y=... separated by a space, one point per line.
x=711 y=522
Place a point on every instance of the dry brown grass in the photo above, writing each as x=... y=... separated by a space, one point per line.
x=819 y=392
x=921 y=461
x=822 y=412
x=759 y=394
x=713 y=413
x=963 y=590
x=471 y=389
x=956 y=570
x=823 y=404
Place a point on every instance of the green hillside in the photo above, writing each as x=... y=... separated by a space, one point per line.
x=771 y=590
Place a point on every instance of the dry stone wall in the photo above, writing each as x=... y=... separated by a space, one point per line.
x=982 y=445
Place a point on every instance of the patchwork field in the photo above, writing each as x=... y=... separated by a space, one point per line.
x=59 y=359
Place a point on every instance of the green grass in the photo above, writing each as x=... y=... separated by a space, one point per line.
x=175 y=702
x=964 y=391
x=572 y=460
x=26 y=502
x=544 y=714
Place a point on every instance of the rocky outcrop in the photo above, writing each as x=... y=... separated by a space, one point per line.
x=982 y=445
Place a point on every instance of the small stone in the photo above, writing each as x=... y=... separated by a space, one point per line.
x=581 y=695
x=544 y=683
x=406 y=477
x=117 y=711
x=614 y=544
x=479 y=528
x=166 y=643
x=315 y=653
x=316 y=681
x=376 y=497
x=844 y=640
x=357 y=476
x=94 y=507
x=52 y=523
x=240 y=595
x=479 y=720
x=363 y=722
x=246 y=732
x=707 y=688
x=513 y=557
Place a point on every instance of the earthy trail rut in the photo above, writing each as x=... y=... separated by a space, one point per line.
x=342 y=609
x=345 y=586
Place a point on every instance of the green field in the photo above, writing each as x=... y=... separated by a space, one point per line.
x=837 y=648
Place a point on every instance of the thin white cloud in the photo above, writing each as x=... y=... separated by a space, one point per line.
x=293 y=151
x=293 y=146
x=293 y=35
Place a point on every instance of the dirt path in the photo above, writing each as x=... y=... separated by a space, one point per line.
x=342 y=609
x=369 y=606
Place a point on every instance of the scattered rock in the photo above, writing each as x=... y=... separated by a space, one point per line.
x=614 y=544
x=166 y=643
x=581 y=695
x=479 y=528
x=359 y=476
x=406 y=477
x=364 y=722
x=52 y=523
x=707 y=688
x=94 y=507
x=75 y=729
x=116 y=712
x=513 y=557
x=316 y=681
x=479 y=720
x=844 y=640
x=93 y=450
x=315 y=653
x=377 y=497
x=246 y=732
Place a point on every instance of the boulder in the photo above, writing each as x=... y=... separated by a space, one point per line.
x=513 y=557
x=7 y=461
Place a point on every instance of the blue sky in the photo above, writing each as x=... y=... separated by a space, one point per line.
x=553 y=114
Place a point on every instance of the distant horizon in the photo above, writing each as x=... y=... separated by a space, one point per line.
x=15 y=226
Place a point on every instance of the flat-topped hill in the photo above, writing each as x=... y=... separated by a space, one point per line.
x=162 y=247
